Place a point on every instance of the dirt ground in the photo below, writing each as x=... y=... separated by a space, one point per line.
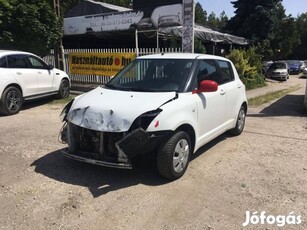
x=263 y=169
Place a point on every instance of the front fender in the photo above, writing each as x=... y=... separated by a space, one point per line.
x=182 y=110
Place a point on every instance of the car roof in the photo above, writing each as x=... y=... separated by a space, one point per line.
x=6 y=52
x=181 y=56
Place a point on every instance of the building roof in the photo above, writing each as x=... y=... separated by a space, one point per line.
x=90 y=7
x=208 y=35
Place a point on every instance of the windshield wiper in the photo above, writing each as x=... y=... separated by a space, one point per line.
x=110 y=86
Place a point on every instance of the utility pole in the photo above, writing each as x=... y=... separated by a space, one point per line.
x=58 y=49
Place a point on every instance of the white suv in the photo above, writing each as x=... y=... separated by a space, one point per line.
x=168 y=104
x=25 y=76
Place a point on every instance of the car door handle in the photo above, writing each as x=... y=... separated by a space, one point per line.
x=19 y=73
x=222 y=91
x=39 y=72
x=239 y=86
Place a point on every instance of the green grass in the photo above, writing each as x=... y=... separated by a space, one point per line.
x=62 y=101
x=260 y=100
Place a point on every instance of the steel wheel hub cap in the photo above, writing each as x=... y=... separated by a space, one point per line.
x=181 y=155
x=241 y=119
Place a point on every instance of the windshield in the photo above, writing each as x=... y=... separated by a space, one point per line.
x=278 y=65
x=153 y=75
x=293 y=62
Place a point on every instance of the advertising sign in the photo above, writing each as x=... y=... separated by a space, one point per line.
x=103 y=22
x=149 y=18
x=103 y=64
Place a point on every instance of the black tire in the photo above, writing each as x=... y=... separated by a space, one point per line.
x=64 y=89
x=238 y=129
x=11 y=101
x=174 y=156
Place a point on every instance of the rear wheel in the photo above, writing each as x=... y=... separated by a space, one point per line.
x=174 y=156
x=238 y=129
x=64 y=89
x=11 y=101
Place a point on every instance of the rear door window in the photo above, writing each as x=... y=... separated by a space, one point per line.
x=18 y=61
x=225 y=72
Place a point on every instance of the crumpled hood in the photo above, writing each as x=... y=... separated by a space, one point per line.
x=110 y=110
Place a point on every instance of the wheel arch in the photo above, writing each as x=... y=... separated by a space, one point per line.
x=191 y=132
x=67 y=79
x=244 y=104
x=14 y=85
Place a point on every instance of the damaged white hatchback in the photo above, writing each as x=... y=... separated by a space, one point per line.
x=169 y=104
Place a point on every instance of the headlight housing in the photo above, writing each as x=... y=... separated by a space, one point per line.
x=145 y=119
x=66 y=109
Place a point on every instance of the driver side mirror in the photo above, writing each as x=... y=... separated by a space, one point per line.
x=206 y=86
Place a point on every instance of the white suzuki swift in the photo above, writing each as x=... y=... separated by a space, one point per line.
x=169 y=104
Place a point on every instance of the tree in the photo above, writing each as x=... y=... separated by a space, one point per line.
x=218 y=23
x=301 y=50
x=28 y=25
x=5 y=19
x=254 y=19
x=200 y=14
x=261 y=20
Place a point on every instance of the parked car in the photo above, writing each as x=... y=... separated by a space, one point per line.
x=25 y=76
x=266 y=65
x=294 y=66
x=278 y=70
x=169 y=104
x=302 y=66
x=305 y=72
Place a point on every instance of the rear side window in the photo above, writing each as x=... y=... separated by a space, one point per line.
x=225 y=72
x=17 y=61
x=3 y=63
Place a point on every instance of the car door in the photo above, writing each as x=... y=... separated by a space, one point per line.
x=211 y=106
x=44 y=74
x=233 y=91
x=19 y=67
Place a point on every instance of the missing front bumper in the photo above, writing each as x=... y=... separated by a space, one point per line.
x=66 y=153
x=106 y=148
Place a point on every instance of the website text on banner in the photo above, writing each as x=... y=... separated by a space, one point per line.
x=104 y=64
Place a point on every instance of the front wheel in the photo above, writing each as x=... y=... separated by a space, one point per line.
x=11 y=101
x=238 y=129
x=63 y=90
x=174 y=156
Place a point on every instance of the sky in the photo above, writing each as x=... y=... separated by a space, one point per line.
x=293 y=7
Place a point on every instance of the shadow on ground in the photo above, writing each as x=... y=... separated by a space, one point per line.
x=101 y=180
x=289 y=105
x=39 y=102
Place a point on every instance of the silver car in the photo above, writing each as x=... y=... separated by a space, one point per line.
x=278 y=70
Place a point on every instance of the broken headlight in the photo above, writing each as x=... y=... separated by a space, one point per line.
x=145 y=119
x=66 y=109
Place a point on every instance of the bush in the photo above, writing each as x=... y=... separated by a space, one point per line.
x=248 y=65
